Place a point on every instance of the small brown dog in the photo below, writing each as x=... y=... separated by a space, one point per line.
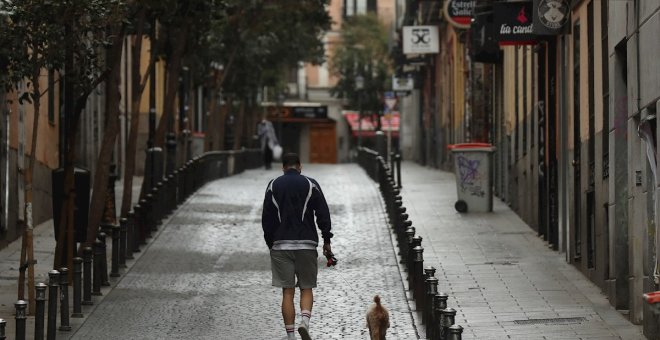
x=378 y=320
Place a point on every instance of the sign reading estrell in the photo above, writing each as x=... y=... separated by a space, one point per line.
x=514 y=23
x=459 y=12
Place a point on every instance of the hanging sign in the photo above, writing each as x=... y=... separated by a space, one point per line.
x=403 y=83
x=551 y=16
x=420 y=39
x=514 y=23
x=484 y=42
x=459 y=12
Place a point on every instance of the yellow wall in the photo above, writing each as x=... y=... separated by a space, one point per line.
x=47 y=136
x=580 y=14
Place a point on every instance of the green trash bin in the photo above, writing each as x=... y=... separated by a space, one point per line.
x=473 y=178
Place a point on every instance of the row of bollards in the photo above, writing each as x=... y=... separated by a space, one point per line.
x=90 y=271
x=430 y=302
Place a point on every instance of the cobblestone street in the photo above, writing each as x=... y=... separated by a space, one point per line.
x=206 y=275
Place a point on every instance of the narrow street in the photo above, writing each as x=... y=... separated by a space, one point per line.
x=206 y=275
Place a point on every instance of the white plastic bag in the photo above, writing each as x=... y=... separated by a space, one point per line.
x=277 y=152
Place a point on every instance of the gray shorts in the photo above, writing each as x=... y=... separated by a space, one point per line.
x=286 y=265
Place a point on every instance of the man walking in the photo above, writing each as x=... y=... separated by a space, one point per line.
x=268 y=140
x=292 y=200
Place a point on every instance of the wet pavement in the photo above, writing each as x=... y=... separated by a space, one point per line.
x=502 y=279
x=206 y=274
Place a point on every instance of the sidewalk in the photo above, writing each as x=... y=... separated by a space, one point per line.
x=501 y=278
x=44 y=254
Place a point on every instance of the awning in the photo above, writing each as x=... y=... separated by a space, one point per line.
x=388 y=122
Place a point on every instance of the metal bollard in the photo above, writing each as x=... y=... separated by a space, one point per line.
x=64 y=300
x=398 y=170
x=165 y=197
x=21 y=317
x=155 y=210
x=418 y=273
x=141 y=220
x=416 y=242
x=3 y=325
x=160 y=199
x=439 y=304
x=181 y=184
x=130 y=235
x=173 y=188
x=104 y=259
x=53 y=286
x=410 y=235
x=87 y=276
x=431 y=288
x=148 y=215
x=429 y=272
x=114 y=268
x=447 y=319
x=123 y=241
x=41 y=311
x=455 y=332
x=77 y=291
x=98 y=268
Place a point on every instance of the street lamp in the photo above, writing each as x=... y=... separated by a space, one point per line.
x=359 y=86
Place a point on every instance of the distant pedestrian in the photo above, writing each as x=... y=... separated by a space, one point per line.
x=291 y=203
x=269 y=142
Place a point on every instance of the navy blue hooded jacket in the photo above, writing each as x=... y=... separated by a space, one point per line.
x=290 y=204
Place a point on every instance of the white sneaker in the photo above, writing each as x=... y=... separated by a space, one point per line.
x=303 y=330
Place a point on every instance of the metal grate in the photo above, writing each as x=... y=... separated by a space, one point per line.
x=551 y=321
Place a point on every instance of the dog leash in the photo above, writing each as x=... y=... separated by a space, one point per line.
x=332 y=262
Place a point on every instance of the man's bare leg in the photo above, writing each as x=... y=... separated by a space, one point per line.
x=306 y=299
x=288 y=310
x=306 y=302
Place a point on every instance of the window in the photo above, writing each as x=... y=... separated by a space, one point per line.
x=357 y=7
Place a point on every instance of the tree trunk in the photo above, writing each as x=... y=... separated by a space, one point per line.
x=138 y=85
x=110 y=132
x=76 y=108
x=28 y=243
x=173 y=73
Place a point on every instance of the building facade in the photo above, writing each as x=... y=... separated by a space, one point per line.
x=573 y=118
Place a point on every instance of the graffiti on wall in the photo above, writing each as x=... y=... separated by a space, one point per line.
x=470 y=180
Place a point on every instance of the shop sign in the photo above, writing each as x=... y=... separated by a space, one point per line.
x=514 y=23
x=420 y=40
x=459 y=12
x=403 y=84
x=551 y=16
x=318 y=112
x=485 y=48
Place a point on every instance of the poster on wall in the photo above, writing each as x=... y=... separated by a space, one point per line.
x=551 y=17
x=459 y=12
x=420 y=40
x=514 y=23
